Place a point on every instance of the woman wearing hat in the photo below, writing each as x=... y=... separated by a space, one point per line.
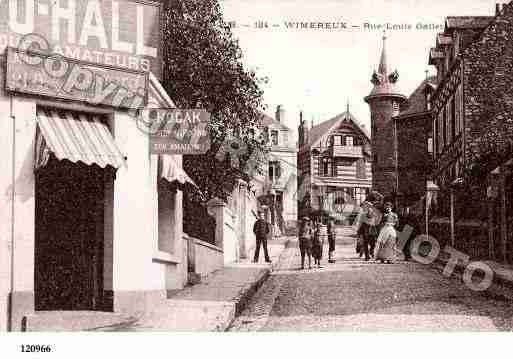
x=386 y=242
x=305 y=242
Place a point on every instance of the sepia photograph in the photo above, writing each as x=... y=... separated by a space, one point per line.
x=288 y=166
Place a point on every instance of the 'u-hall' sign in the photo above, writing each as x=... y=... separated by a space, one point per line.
x=123 y=33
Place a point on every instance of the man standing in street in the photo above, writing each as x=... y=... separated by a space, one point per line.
x=261 y=231
x=368 y=227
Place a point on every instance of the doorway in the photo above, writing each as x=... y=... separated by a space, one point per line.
x=69 y=236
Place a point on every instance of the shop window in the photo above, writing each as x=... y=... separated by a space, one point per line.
x=166 y=217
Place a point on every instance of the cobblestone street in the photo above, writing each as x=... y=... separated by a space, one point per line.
x=357 y=295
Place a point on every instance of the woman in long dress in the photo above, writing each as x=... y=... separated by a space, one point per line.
x=386 y=242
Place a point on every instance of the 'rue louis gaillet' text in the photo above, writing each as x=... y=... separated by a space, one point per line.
x=401 y=27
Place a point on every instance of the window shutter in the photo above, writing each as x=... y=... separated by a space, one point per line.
x=360 y=169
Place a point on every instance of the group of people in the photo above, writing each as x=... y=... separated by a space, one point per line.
x=311 y=241
x=377 y=234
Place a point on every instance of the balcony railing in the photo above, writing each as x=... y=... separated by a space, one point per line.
x=346 y=151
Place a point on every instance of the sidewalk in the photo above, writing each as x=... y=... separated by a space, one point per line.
x=213 y=304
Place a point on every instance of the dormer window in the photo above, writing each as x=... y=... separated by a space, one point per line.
x=337 y=140
x=349 y=141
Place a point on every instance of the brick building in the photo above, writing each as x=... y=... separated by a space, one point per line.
x=415 y=146
x=334 y=162
x=385 y=102
x=472 y=126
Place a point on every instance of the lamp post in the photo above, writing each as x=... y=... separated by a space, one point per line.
x=431 y=190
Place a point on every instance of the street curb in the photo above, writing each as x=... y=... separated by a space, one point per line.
x=249 y=291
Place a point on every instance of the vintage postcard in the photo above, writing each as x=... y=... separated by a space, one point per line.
x=254 y=166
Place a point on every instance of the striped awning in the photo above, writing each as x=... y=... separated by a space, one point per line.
x=171 y=172
x=75 y=136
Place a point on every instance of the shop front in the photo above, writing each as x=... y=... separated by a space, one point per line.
x=91 y=221
x=90 y=218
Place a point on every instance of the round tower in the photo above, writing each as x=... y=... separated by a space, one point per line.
x=385 y=102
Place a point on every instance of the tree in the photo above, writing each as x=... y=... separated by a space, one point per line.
x=203 y=69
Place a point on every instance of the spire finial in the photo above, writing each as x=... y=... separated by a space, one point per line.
x=383 y=66
x=427 y=73
x=347 y=106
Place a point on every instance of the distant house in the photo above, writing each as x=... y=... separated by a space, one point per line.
x=334 y=162
x=280 y=172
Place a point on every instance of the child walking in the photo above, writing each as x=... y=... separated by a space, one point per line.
x=305 y=242
x=317 y=244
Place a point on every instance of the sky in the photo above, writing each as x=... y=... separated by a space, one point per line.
x=319 y=70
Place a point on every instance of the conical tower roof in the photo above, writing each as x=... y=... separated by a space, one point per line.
x=383 y=65
x=384 y=81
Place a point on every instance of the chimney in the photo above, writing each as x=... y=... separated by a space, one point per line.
x=280 y=113
x=498 y=9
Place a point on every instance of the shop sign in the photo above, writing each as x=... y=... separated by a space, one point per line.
x=58 y=77
x=177 y=132
x=118 y=33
